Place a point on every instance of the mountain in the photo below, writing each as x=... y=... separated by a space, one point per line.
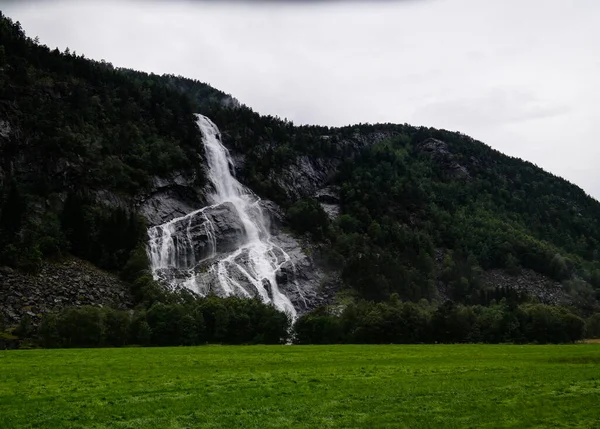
x=95 y=161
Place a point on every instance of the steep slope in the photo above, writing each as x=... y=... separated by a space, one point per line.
x=85 y=136
x=227 y=248
x=420 y=207
x=425 y=212
x=126 y=153
x=91 y=156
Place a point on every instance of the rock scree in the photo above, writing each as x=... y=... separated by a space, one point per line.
x=70 y=283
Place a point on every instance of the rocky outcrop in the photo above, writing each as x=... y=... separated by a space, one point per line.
x=57 y=285
x=305 y=175
x=5 y=129
x=441 y=155
x=209 y=236
x=214 y=229
x=171 y=198
x=546 y=290
x=329 y=200
x=299 y=279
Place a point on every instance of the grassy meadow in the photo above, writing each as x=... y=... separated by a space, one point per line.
x=388 y=386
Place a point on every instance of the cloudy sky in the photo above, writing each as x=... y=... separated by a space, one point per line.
x=522 y=76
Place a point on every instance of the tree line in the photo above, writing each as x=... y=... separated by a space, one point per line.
x=195 y=321
x=211 y=320
x=400 y=322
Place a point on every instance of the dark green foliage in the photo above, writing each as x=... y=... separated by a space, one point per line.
x=137 y=265
x=11 y=216
x=188 y=330
x=140 y=332
x=398 y=204
x=406 y=323
x=307 y=216
x=592 y=326
x=318 y=329
x=165 y=322
x=147 y=291
x=25 y=328
x=242 y=321
x=230 y=321
x=116 y=327
x=81 y=327
x=48 y=331
x=82 y=128
x=106 y=237
x=124 y=126
x=18 y=246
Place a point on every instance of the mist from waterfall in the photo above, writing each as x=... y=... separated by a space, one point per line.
x=248 y=271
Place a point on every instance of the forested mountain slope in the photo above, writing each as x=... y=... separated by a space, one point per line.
x=394 y=209
x=410 y=196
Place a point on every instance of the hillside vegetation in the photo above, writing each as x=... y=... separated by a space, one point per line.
x=423 y=212
x=423 y=191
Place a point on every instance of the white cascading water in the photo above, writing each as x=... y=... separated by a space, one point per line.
x=171 y=245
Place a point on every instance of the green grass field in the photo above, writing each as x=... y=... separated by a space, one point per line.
x=303 y=387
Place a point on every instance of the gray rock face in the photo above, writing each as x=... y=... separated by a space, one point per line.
x=276 y=216
x=329 y=200
x=205 y=238
x=439 y=152
x=299 y=279
x=198 y=236
x=170 y=199
x=227 y=227
x=305 y=176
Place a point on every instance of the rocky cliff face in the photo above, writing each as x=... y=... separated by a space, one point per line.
x=236 y=245
x=75 y=282
x=308 y=176
x=171 y=198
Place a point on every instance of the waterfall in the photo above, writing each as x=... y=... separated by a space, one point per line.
x=185 y=252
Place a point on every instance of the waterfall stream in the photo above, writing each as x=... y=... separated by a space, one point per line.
x=185 y=252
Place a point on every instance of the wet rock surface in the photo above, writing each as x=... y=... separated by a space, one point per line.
x=299 y=278
x=227 y=226
x=303 y=279
x=172 y=198
x=237 y=247
x=56 y=286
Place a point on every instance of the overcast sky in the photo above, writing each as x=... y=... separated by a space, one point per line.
x=520 y=75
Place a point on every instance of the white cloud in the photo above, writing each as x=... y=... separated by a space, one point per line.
x=520 y=76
